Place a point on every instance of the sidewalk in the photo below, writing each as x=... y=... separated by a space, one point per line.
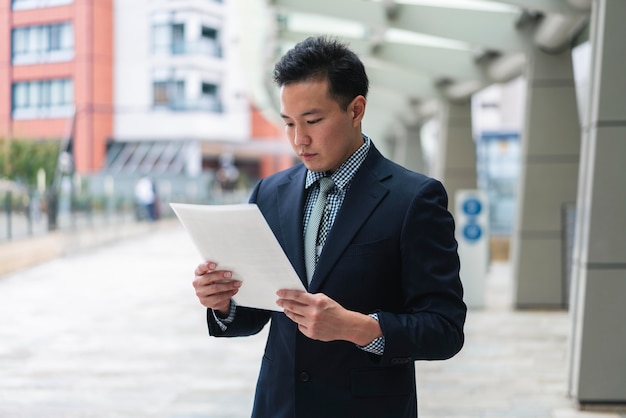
x=513 y=365
x=117 y=332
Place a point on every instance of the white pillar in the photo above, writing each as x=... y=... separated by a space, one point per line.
x=456 y=166
x=598 y=350
x=549 y=160
x=409 y=152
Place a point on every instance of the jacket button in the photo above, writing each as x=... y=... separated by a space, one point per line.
x=304 y=377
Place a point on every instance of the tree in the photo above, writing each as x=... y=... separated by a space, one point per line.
x=21 y=160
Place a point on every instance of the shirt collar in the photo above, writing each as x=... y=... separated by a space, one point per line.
x=346 y=171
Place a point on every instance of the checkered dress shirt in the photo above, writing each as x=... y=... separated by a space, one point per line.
x=342 y=178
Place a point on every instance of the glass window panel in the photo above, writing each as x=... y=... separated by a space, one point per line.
x=209 y=89
x=67 y=36
x=33 y=40
x=42 y=38
x=178 y=32
x=54 y=40
x=44 y=94
x=178 y=38
x=20 y=41
x=56 y=92
x=33 y=94
x=209 y=33
x=37 y=4
x=180 y=90
x=20 y=95
x=210 y=97
x=160 y=92
x=160 y=37
x=68 y=96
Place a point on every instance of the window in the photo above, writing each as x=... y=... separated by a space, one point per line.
x=37 y=4
x=160 y=93
x=178 y=38
x=209 y=98
x=43 y=99
x=209 y=42
x=48 y=43
x=160 y=38
x=170 y=94
x=171 y=39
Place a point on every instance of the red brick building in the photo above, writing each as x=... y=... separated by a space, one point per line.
x=56 y=74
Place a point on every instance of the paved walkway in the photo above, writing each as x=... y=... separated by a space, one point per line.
x=117 y=332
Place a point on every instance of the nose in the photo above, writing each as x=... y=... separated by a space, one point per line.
x=301 y=136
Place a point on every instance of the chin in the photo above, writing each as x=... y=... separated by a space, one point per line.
x=316 y=168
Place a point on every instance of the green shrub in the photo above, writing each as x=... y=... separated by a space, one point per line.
x=20 y=160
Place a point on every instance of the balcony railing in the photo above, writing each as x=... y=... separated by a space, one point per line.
x=201 y=48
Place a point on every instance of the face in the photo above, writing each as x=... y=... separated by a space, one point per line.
x=322 y=135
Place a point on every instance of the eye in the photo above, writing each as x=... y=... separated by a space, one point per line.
x=288 y=124
x=314 y=121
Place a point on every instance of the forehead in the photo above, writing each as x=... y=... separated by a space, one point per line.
x=305 y=96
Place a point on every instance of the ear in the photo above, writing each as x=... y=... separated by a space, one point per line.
x=357 y=110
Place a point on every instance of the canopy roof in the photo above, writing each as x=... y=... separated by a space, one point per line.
x=417 y=52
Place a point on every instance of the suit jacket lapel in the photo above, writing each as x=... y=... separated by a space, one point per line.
x=364 y=195
x=291 y=195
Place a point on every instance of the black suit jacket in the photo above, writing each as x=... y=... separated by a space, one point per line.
x=391 y=250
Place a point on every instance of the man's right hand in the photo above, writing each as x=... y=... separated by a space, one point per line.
x=214 y=288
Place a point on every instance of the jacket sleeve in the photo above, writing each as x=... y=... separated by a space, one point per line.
x=430 y=325
x=247 y=321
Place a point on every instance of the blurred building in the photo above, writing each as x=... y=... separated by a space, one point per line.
x=56 y=74
x=134 y=87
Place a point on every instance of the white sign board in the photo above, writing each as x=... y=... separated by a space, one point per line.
x=472 y=234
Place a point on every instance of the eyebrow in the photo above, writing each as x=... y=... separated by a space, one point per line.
x=307 y=113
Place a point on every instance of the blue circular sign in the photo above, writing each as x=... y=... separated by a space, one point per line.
x=472 y=232
x=472 y=206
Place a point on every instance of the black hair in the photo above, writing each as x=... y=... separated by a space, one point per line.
x=324 y=58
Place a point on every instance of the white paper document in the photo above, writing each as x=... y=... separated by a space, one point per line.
x=238 y=239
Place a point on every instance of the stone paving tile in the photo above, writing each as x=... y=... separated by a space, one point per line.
x=117 y=332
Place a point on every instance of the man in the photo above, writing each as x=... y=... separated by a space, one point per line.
x=385 y=290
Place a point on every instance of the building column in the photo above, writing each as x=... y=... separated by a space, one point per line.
x=456 y=155
x=547 y=184
x=598 y=343
x=409 y=152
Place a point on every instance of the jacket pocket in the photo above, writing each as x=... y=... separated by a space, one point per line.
x=367 y=248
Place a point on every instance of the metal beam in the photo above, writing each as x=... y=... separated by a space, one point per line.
x=366 y=12
x=546 y=6
x=480 y=28
x=393 y=77
x=476 y=27
x=428 y=61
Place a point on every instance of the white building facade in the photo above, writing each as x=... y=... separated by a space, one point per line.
x=177 y=72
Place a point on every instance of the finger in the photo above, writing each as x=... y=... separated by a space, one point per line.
x=294 y=316
x=205 y=268
x=217 y=297
x=294 y=310
x=225 y=286
x=219 y=300
x=218 y=276
x=290 y=294
x=217 y=287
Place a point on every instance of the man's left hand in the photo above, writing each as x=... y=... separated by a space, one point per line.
x=321 y=318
